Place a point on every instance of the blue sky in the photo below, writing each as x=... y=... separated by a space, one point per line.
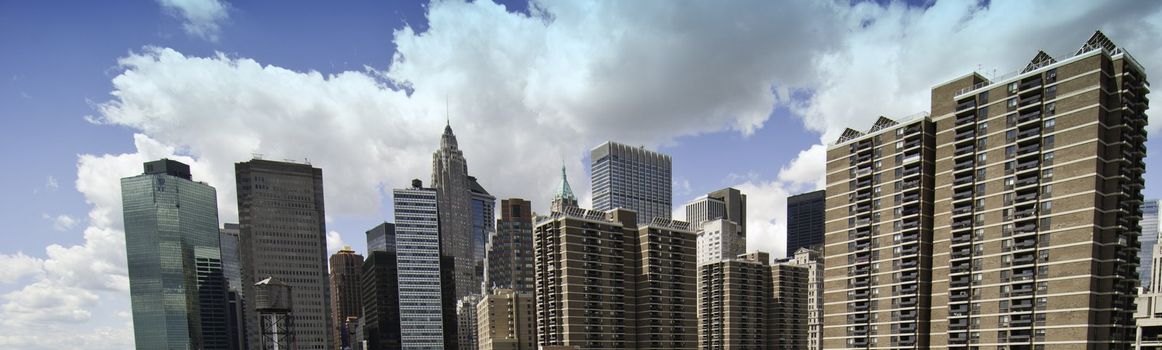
x=740 y=94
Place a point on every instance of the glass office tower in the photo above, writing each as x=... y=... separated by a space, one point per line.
x=176 y=285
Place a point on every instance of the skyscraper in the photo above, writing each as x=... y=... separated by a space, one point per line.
x=510 y=248
x=232 y=271
x=177 y=290
x=1040 y=222
x=812 y=261
x=467 y=322
x=506 y=321
x=605 y=283
x=631 y=178
x=705 y=208
x=421 y=286
x=377 y=238
x=1149 y=239
x=283 y=235
x=734 y=301
x=1033 y=227
x=719 y=239
x=805 y=215
x=346 y=298
x=878 y=240
x=452 y=185
x=483 y=225
x=380 y=290
x=563 y=195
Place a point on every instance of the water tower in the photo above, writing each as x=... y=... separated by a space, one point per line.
x=275 y=316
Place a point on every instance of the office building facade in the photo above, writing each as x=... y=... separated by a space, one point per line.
x=176 y=286
x=346 y=298
x=1148 y=239
x=506 y=321
x=805 y=216
x=232 y=271
x=453 y=189
x=421 y=269
x=380 y=299
x=1037 y=209
x=283 y=235
x=878 y=237
x=378 y=237
x=466 y=322
x=631 y=178
x=719 y=239
x=510 y=248
x=483 y=225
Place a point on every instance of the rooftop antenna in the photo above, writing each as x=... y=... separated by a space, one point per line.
x=447 y=113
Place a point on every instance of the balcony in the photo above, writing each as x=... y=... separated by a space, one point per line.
x=965 y=106
x=963 y=135
x=1030 y=84
x=1028 y=117
x=1029 y=133
x=958 y=310
x=962 y=180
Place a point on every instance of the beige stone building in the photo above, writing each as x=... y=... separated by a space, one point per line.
x=787 y=310
x=604 y=283
x=1027 y=208
x=734 y=295
x=878 y=238
x=1039 y=185
x=505 y=321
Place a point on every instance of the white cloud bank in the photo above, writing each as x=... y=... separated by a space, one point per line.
x=200 y=18
x=526 y=91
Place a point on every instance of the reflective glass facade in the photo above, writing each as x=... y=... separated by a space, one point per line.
x=631 y=178
x=176 y=285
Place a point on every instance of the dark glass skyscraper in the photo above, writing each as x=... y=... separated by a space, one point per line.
x=380 y=237
x=176 y=286
x=805 y=220
x=631 y=178
x=483 y=223
x=283 y=235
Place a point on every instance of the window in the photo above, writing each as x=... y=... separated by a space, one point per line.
x=1012 y=102
x=1010 y=135
x=1048 y=141
x=1013 y=87
x=1048 y=158
x=1046 y=207
x=982 y=142
x=982 y=158
x=983 y=97
x=1050 y=108
x=982 y=127
x=980 y=174
x=1047 y=173
x=1047 y=190
x=1010 y=151
x=1049 y=124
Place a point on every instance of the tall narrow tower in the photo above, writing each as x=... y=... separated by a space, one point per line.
x=283 y=235
x=453 y=193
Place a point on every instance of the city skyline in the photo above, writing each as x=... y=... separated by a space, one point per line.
x=362 y=92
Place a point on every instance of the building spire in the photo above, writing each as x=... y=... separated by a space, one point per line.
x=563 y=196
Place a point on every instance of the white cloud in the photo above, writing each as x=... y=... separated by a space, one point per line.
x=15 y=267
x=808 y=170
x=61 y=222
x=51 y=183
x=766 y=216
x=334 y=242
x=200 y=18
